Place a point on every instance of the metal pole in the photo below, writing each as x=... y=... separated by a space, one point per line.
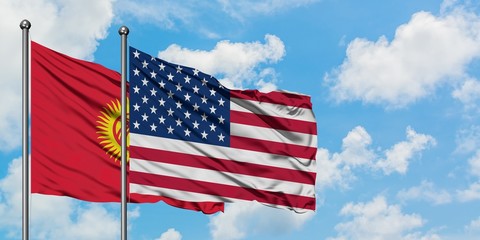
x=123 y=31
x=25 y=26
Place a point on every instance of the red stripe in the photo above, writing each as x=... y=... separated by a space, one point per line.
x=283 y=98
x=205 y=207
x=216 y=189
x=217 y=164
x=273 y=122
x=273 y=147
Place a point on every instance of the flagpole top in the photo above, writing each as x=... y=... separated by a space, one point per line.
x=123 y=30
x=25 y=24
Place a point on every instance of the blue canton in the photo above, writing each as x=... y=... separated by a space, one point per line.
x=173 y=101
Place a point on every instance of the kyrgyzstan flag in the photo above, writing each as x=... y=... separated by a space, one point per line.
x=75 y=133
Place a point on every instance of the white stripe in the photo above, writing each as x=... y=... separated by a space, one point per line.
x=269 y=134
x=221 y=152
x=194 y=197
x=227 y=178
x=271 y=109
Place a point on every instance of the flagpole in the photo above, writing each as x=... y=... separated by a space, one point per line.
x=25 y=26
x=123 y=31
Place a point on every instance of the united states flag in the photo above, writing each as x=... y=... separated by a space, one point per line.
x=193 y=140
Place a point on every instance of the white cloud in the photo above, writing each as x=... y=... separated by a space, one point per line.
x=420 y=236
x=170 y=234
x=468 y=140
x=474 y=163
x=198 y=16
x=332 y=171
x=377 y=220
x=52 y=217
x=241 y=69
x=468 y=93
x=411 y=66
x=11 y=196
x=242 y=219
x=357 y=152
x=243 y=9
x=425 y=191
x=473 y=226
x=61 y=25
x=162 y=12
x=398 y=157
x=470 y=194
x=337 y=168
x=134 y=213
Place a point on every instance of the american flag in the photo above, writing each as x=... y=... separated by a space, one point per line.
x=194 y=140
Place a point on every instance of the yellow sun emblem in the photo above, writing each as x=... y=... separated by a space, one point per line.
x=109 y=129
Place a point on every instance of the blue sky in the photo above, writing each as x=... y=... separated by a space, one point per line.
x=395 y=89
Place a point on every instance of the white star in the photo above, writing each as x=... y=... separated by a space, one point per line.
x=161 y=119
x=153 y=110
x=221 y=102
x=196 y=124
x=221 y=119
x=144 y=82
x=187 y=132
x=221 y=137
x=153 y=74
x=152 y=58
x=187 y=97
x=145 y=99
x=153 y=127
x=170 y=77
x=204 y=117
x=195 y=107
x=153 y=92
x=136 y=72
x=179 y=87
x=170 y=130
x=144 y=64
x=161 y=84
x=136 y=89
x=179 y=104
x=204 y=81
x=204 y=135
x=137 y=54
x=204 y=99
x=170 y=94
x=212 y=127
x=220 y=86
x=195 y=72
x=162 y=67
x=212 y=92
x=136 y=125
x=161 y=102
x=136 y=107
x=187 y=115
x=179 y=69
x=170 y=112
x=187 y=79
x=196 y=89
x=145 y=117
x=212 y=109
x=179 y=122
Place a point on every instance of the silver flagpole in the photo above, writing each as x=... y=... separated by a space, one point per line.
x=123 y=31
x=25 y=26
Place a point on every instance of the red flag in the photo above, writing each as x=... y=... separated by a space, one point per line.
x=75 y=107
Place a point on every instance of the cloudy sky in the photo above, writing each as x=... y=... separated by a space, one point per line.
x=395 y=87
